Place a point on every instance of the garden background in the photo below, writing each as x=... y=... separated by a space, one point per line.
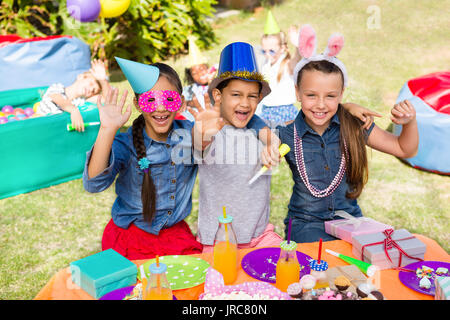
x=386 y=44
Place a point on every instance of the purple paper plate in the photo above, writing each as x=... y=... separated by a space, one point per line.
x=261 y=263
x=410 y=279
x=120 y=294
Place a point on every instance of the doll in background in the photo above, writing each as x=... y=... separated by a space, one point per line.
x=277 y=68
x=198 y=75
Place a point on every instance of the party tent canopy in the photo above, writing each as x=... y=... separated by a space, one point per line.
x=430 y=95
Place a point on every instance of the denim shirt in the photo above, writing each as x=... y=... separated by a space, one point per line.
x=322 y=157
x=172 y=169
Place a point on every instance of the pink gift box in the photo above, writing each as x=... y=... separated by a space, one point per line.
x=346 y=229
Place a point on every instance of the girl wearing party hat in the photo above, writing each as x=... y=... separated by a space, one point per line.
x=278 y=67
x=329 y=161
x=153 y=191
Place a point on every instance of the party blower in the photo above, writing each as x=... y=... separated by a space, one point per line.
x=284 y=149
x=86 y=124
x=367 y=268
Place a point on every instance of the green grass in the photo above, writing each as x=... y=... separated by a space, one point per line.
x=43 y=231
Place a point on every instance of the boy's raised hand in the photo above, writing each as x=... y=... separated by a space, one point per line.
x=207 y=120
x=111 y=116
x=403 y=113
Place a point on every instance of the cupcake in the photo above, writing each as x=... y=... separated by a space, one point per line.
x=295 y=290
x=342 y=283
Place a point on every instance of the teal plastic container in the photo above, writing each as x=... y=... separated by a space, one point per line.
x=103 y=272
x=39 y=152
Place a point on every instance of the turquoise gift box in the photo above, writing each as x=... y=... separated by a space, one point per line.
x=103 y=272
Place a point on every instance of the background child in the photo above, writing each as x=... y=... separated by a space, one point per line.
x=228 y=167
x=154 y=194
x=86 y=87
x=278 y=67
x=328 y=158
x=198 y=75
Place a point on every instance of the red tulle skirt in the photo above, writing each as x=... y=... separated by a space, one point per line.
x=136 y=244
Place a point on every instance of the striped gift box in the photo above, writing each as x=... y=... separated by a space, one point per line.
x=442 y=285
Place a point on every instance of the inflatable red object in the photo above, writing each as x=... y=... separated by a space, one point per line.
x=430 y=96
x=434 y=90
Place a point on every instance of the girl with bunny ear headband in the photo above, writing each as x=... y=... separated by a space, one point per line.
x=329 y=162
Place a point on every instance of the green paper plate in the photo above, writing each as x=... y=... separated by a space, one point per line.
x=182 y=271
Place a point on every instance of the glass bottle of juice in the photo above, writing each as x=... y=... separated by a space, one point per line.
x=225 y=250
x=318 y=271
x=288 y=268
x=157 y=285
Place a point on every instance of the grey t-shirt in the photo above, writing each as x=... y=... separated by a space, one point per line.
x=230 y=161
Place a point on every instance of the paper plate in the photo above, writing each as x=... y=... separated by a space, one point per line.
x=182 y=271
x=120 y=294
x=410 y=279
x=261 y=263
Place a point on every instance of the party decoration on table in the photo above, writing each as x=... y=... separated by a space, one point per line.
x=183 y=271
x=215 y=289
x=86 y=124
x=113 y=8
x=288 y=268
x=367 y=268
x=225 y=249
x=103 y=272
x=423 y=270
x=127 y=293
x=83 y=10
x=350 y=226
x=261 y=263
x=284 y=149
x=388 y=249
x=318 y=268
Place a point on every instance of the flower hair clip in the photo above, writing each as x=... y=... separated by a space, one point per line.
x=143 y=164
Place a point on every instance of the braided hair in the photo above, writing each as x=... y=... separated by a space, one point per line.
x=148 y=191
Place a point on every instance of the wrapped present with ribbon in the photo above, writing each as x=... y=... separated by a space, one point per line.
x=388 y=249
x=442 y=285
x=349 y=226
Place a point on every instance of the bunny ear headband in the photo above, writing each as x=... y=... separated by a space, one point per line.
x=307 y=48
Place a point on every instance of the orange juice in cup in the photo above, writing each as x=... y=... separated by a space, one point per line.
x=225 y=250
x=288 y=268
x=157 y=287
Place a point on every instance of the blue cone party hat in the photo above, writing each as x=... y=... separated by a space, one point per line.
x=237 y=61
x=142 y=77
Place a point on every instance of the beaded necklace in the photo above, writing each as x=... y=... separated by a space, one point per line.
x=298 y=149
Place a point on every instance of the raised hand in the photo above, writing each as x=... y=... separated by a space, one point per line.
x=403 y=113
x=111 y=113
x=293 y=33
x=207 y=121
x=98 y=70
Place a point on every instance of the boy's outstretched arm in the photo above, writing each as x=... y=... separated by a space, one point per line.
x=363 y=114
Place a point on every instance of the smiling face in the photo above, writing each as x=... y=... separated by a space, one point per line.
x=238 y=101
x=87 y=86
x=272 y=48
x=319 y=94
x=159 y=122
x=199 y=74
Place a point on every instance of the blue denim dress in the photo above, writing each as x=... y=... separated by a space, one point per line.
x=322 y=157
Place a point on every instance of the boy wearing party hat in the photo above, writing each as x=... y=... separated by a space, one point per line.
x=198 y=75
x=231 y=158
